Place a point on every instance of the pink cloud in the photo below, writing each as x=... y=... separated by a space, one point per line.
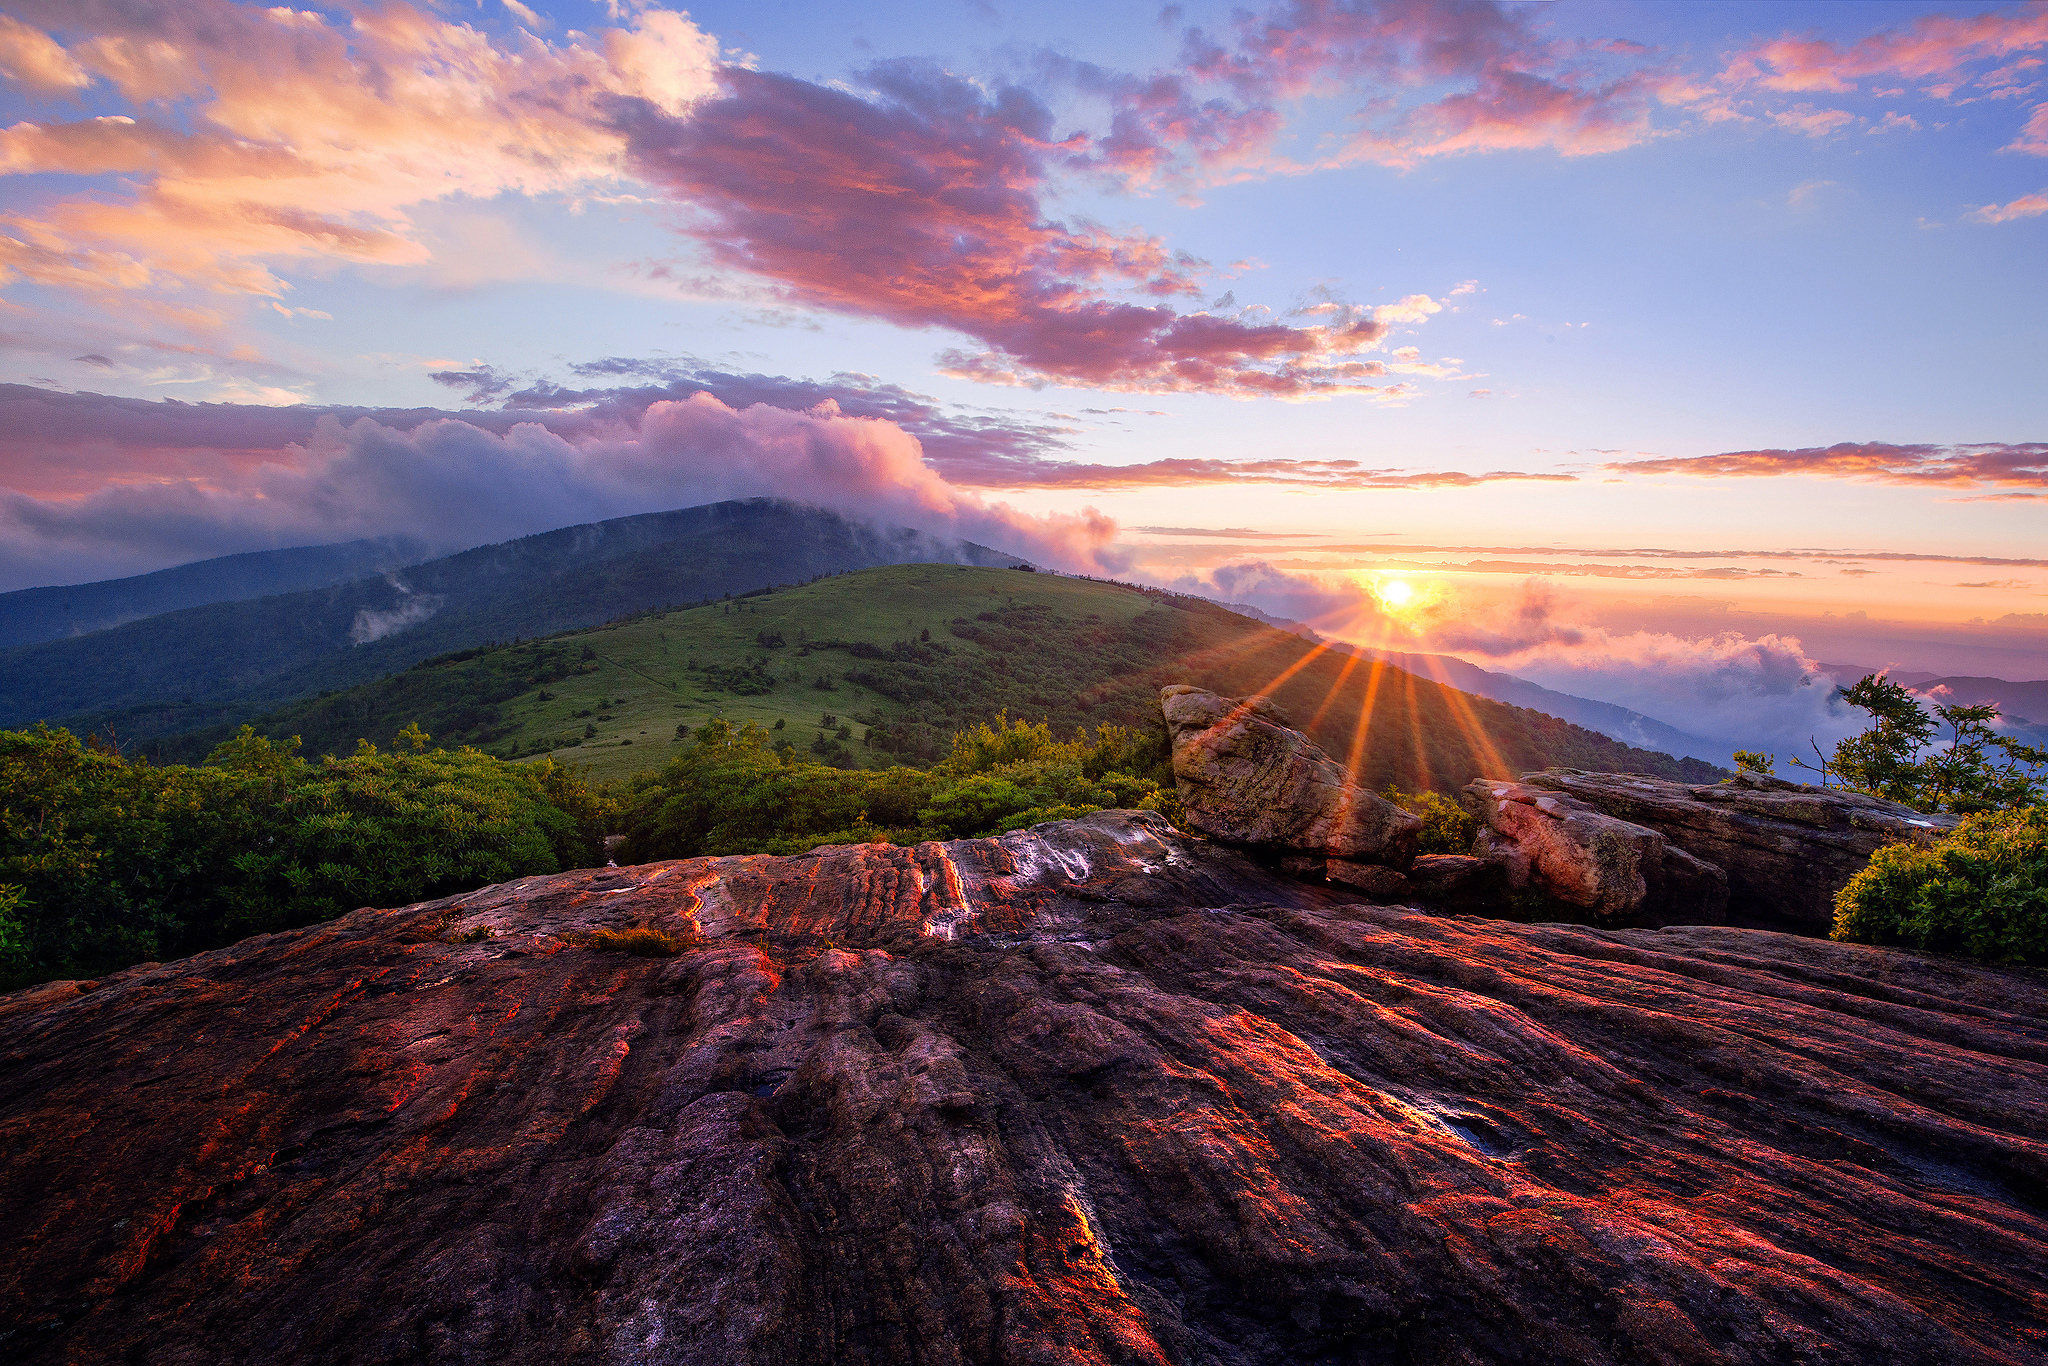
x=2026 y=206
x=1017 y=472
x=1520 y=91
x=67 y=446
x=1815 y=123
x=2022 y=464
x=1933 y=45
x=307 y=138
x=31 y=59
x=2034 y=136
x=923 y=208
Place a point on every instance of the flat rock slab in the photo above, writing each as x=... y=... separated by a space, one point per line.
x=1089 y=1093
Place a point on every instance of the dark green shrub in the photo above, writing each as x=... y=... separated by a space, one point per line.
x=740 y=791
x=1981 y=890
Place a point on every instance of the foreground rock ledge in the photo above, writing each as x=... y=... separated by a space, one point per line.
x=1089 y=1093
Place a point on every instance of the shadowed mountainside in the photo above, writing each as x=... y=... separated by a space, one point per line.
x=1088 y=1093
x=36 y=614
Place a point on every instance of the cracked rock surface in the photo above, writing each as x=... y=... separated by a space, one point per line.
x=1087 y=1093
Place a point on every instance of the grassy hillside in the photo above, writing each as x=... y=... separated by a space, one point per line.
x=882 y=666
x=228 y=661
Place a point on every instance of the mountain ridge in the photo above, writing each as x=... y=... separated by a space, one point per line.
x=1610 y=719
x=168 y=673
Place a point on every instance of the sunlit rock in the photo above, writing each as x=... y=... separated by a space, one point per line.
x=1246 y=777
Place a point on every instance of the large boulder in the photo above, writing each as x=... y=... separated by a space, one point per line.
x=1090 y=1093
x=1247 y=777
x=1785 y=848
x=1585 y=858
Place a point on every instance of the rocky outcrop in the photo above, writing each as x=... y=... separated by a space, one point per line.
x=1089 y=1093
x=1247 y=777
x=1785 y=848
x=1584 y=858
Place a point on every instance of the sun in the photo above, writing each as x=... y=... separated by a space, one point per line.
x=1394 y=594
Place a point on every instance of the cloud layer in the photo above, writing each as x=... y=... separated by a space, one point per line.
x=265 y=139
x=453 y=482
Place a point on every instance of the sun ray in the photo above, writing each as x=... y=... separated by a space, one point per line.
x=1373 y=679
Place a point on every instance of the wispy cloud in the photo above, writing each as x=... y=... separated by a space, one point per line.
x=1948 y=50
x=1933 y=45
x=1233 y=533
x=2026 y=206
x=2023 y=464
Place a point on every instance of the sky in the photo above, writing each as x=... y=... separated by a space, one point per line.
x=1657 y=352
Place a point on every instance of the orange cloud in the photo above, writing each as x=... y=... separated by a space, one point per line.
x=308 y=137
x=31 y=59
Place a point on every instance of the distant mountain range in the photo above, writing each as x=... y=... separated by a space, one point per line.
x=2022 y=706
x=239 y=655
x=37 y=614
x=1615 y=722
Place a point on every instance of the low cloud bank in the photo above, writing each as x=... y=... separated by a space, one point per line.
x=455 y=483
x=1761 y=692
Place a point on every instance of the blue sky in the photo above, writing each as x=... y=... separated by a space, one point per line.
x=1791 y=252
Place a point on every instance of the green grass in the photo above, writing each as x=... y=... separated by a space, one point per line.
x=1071 y=651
